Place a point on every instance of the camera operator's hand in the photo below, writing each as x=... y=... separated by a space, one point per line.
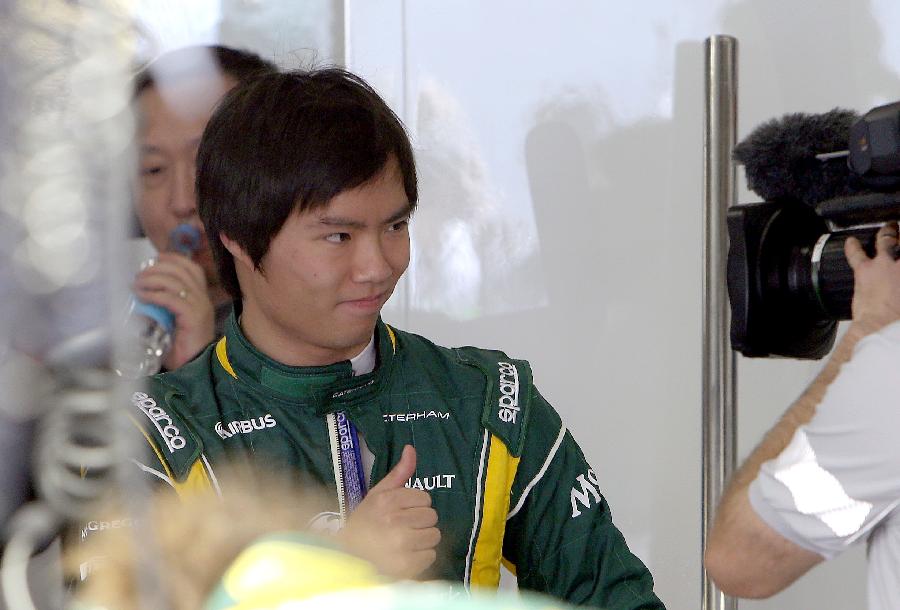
x=876 y=281
x=394 y=527
x=177 y=283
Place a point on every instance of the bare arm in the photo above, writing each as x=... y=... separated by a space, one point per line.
x=744 y=556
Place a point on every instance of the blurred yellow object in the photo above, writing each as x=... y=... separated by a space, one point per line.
x=288 y=566
x=292 y=571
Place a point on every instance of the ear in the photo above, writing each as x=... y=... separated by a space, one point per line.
x=236 y=251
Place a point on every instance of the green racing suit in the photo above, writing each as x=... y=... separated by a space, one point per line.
x=506 y=478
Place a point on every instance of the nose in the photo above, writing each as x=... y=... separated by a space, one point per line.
x=373 y=261
x=183 y=201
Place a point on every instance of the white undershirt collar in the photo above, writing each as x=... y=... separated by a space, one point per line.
x=364 y=362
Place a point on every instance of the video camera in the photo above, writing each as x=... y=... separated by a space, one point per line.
x=824 y=178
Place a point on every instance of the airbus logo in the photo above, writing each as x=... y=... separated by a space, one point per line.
x=245 y=426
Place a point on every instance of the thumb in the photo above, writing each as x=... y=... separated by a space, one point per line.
x=854 y=252
x=400 y=473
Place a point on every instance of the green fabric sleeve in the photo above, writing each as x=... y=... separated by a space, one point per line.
x=560 y=535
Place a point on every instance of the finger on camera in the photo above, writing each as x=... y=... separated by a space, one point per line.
x=886 y=240
x=854 y=252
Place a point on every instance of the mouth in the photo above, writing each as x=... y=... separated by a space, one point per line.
x=367 y=304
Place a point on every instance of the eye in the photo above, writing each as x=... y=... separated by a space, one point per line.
x=337 y=238
x=153 y=175
x=400 y=225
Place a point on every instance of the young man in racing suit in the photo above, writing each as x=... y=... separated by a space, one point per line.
x=306 y=183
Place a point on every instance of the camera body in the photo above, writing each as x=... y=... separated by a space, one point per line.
x=789 y=282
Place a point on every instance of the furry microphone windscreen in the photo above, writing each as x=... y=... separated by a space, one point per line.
x=779 y=157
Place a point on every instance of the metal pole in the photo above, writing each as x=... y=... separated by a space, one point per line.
x=719 y=374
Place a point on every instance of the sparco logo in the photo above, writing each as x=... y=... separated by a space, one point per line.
x=245 y=426
x=344 y=435
x=170 y=433
x=584 y=491
x=509 y=392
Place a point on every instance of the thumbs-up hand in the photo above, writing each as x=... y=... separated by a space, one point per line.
x=394 y=526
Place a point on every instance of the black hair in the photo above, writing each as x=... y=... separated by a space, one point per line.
x=193 y=61
x=290 y=142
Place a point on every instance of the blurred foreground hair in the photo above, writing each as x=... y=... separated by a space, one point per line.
x=252 y=550
x=189 y=540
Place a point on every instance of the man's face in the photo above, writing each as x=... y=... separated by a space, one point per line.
x=172 y=120
x=327 y=274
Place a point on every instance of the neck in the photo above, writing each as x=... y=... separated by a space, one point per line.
x=283 y=346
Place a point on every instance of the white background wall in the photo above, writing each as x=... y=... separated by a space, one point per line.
x=560 y=147
x=560 y=152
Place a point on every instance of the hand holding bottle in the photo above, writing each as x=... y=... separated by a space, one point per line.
x=171 y=315
x=178 y=284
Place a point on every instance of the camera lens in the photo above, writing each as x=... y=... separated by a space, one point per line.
x=831 y=275
x=779 y=297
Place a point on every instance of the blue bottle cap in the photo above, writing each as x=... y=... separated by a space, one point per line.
x=184 y=239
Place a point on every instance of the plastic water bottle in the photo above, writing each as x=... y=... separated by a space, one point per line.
x=151 y=327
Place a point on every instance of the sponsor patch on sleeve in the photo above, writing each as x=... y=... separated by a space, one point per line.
x=171 y=435
x=508 y=396
x=508 y=408
x=174 y=441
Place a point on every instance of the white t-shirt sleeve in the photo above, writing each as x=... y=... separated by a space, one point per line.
x=840 y=475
